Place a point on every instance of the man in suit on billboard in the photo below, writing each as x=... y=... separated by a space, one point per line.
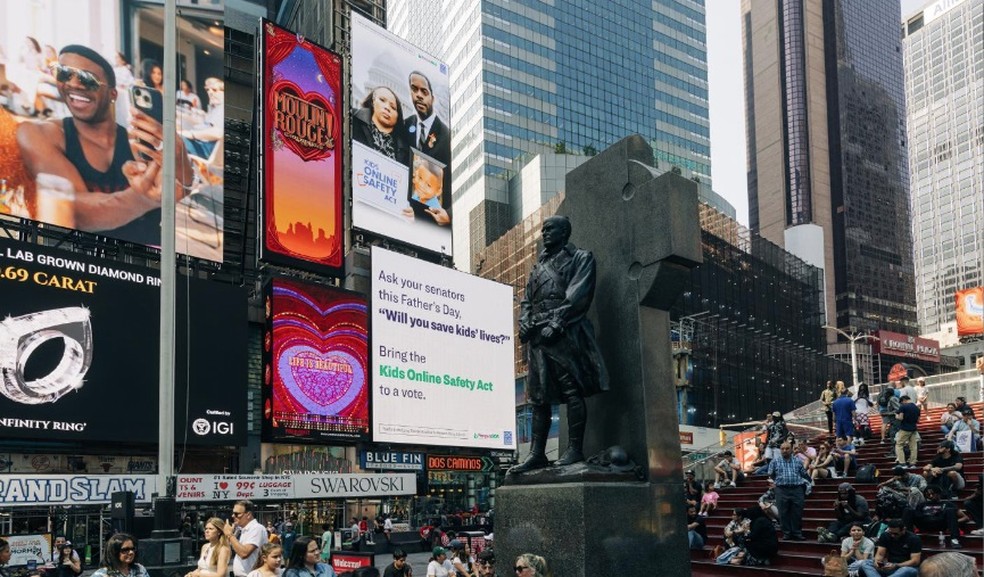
x=431 y=136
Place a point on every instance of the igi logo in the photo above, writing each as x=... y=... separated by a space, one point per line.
x=204 y=427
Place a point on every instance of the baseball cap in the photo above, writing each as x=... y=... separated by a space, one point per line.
x=947 y=444
x=898 y=470
x=776 y=414
x=844 y=487
x=438 y=551
x=689 y=473
x=455 y=545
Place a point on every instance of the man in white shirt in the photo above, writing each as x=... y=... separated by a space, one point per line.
x=246 y=545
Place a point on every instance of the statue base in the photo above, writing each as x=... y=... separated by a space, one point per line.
x=592 y=529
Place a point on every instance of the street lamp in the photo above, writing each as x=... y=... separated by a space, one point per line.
x=853 y=338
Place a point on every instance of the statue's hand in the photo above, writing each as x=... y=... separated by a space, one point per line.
x=524 y=332
x=549 y=333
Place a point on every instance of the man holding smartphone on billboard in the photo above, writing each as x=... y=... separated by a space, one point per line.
x=115 y=194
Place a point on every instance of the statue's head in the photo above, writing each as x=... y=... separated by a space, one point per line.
x=556 y=231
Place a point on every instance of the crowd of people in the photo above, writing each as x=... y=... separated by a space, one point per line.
x=876 y=539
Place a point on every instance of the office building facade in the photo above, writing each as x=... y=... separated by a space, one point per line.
x=944 y=85
x=575 y=76
x=827 y=166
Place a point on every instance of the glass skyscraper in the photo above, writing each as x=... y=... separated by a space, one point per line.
x=574 y=76
x=944 y=84
x=827 y=168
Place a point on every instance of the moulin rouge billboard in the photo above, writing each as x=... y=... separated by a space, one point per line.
x=301 y=180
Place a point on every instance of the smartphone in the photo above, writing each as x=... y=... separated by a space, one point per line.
x=150 y=101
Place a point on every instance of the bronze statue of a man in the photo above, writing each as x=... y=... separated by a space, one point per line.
x=565 y=364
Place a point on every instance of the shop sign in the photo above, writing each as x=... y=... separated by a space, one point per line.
x=392 y=460
x=459 y=463
x=346 y=563
x=16 y=490
x=900 y=345
x=233 y=487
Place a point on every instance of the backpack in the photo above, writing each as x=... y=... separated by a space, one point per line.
x=867 y=474
x=890 y=505
x=884 y=396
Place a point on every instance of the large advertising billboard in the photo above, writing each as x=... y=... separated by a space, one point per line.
x=301 y=128
x=81 y=105
x=970 y=312
x=401 y=140
x=315 y=380
x=900 y=345
x=442 y=356
x=79 y=351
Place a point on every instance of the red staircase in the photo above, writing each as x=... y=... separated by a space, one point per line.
x=803 y=557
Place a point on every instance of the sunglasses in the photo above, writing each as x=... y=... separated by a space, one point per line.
x=87 y=79
x=520 y=568
x=128 y=550
x=238 y=515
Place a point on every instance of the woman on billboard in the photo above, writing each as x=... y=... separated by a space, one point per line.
x=379 y=125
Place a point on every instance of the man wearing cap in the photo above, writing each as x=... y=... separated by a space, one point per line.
x=727 y=468
x=850 y=508
x=692 y=492
x=439 y=566
x=115 y=195
x=399 y=567
x=456 y=547
x=777 y=432
x=944 y=470
x=791 y=481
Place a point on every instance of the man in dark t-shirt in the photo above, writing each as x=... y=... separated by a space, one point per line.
x=933 y=515
x=114 y=194
x=399 y=567
x=908 y=436
x=945 y=469
x=897 y=554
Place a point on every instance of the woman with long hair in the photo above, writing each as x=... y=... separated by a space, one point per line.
x=120 y=558
x=151 y=74
x=820 y=468
x=64 y=565
x=530 y=565
x=216 y=552
x=269 y=561
x=304 y=560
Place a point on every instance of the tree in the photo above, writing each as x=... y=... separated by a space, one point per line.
x=590 y=150
x=560 y=147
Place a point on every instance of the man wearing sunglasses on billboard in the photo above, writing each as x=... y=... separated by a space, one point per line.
x=115 y=194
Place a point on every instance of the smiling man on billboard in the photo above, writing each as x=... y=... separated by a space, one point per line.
x=114 y=193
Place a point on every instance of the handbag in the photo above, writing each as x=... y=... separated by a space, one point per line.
x=834 y=565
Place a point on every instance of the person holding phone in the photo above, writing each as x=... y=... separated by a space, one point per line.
x=115 y=194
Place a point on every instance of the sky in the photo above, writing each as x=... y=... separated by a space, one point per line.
x=727 y=99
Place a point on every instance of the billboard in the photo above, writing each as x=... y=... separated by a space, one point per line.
x=301 y=176
x=79 y=351
x=401 y=140
x=970 y=312
x=315 y=380
x=80 y=129
x=442 y=356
